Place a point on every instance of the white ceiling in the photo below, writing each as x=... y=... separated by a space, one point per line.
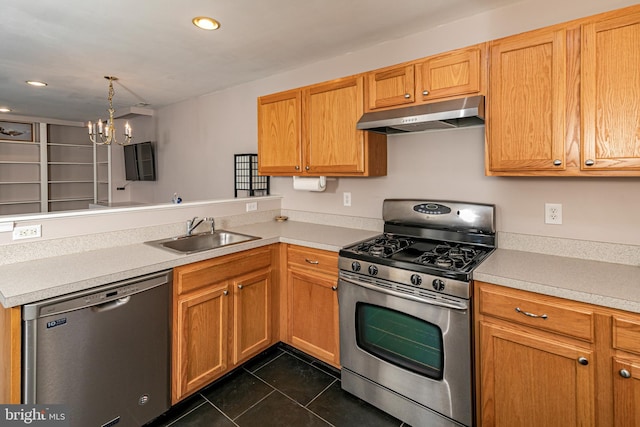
x=161 y=58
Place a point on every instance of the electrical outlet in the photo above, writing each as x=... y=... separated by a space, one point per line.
x=252 y=206
x=552 y=213
x=27 y=232
x=346 y=199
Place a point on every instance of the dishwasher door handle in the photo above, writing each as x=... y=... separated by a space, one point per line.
x=111 y=305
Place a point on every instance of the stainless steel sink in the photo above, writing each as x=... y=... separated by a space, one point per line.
x=202 y=241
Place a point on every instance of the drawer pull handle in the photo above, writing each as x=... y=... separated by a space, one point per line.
x=625 y=374
x=526 y=313
x=314 y=262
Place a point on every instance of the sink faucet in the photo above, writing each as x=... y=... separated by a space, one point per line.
x=213 y=223
x=192 y=224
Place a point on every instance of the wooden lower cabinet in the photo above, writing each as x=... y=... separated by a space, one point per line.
x=548 y=361
x=530 y=380
x=222 y=316
x=312 y=313
x=10 y=355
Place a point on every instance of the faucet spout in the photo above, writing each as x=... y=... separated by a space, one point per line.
x=192 y=225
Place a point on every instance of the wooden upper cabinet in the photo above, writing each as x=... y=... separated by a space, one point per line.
x=610 y=93
x=279 y=133
x=312 y=131
x=331 y=143
x=449 y=75
x=390 y=87
x=525 y=127
x=452 y=74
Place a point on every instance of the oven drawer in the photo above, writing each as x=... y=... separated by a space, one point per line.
x=538 y=311
x=313 y=259
x=626 y=334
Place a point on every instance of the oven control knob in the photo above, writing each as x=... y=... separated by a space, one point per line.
x=416 y=280
x=438 y=284
x=355 y=266
x=373 y=270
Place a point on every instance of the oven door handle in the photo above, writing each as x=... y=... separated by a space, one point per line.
x=446 y=304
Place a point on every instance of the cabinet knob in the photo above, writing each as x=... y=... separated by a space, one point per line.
x=425 y=92
x=407 y=95
x=557 y=162
x=583 y=361
x=625 y=374
x=240 y=286
x=589 y=162
x=225 y=292
x=311 y=261
x=334 y=288
x=297 y=168
x=307 y=168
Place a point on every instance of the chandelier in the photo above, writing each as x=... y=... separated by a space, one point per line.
x=106 y=134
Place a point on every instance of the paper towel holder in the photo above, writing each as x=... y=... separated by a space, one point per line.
x=315 y=183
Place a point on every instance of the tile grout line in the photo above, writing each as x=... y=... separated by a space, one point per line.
x=322 y=391
x=186 y=413
x=308 y=363
x=243 y=412
x=275 y=389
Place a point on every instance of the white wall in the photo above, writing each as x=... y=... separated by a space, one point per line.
x=197 y=139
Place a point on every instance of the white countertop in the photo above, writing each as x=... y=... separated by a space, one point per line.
x=25 y=282
x=601 y=283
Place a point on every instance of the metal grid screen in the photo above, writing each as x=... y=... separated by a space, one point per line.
x=247 y=178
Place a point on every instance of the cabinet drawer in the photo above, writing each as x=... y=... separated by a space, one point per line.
x=313 y=259
x=626 y=334
x=199 y=274
x=522 y=307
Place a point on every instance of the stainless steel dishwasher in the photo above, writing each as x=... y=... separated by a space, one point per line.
x=103 y=353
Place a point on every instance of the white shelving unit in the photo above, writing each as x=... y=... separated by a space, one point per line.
x=70 y=167
x=20 y=180
x=62 y=170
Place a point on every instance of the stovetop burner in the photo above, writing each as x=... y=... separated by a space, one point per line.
x=383 y=246
x=392 y=249
x=447 y=256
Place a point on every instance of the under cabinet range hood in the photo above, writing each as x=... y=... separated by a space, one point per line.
x=449 y=114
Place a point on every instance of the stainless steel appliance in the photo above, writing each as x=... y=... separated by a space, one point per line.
x=103 y=353
x=405 y=310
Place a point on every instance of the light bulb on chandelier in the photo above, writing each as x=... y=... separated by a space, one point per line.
x=106 y=134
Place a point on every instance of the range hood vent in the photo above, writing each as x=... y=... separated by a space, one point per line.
x=454 y=113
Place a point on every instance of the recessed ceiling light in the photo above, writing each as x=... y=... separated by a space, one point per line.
x=36 y=83
x=5 y=110
x=205 y=23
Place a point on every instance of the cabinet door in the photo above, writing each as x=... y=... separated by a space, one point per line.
x=199 y=339
x=313 y=315
x=626 y=392
x=251 y=315
x=390 y=87
x=332 y=144
x=610 y=94
x=451 y=74
x=530 y=380
x=279 y=137
x=525 y=127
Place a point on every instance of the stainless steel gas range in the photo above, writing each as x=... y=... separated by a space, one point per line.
x=405 y=310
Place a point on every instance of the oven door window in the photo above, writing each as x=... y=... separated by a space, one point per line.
x=400 y=339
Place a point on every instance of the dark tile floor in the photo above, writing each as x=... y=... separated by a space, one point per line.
x=280 y=387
